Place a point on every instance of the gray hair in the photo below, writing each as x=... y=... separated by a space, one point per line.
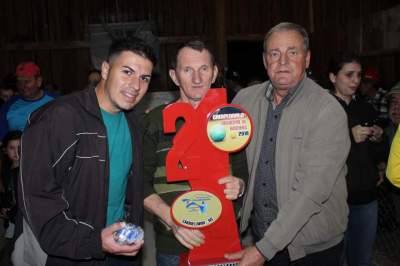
x=289 y=26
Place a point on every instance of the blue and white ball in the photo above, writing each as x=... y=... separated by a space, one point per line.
x=129 y=234
x=217 y=133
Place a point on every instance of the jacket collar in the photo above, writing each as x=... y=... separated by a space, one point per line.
x=89 y=101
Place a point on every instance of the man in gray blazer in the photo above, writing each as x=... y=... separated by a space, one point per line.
x=296 y=198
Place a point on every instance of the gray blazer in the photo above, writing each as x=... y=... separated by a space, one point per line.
x=311 y=150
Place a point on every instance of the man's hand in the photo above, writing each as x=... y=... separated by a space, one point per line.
x=187 y=237
x=250 y=256
x=234 y=186
x=376 y=134
x=3 y=213
x=109 y=245
x=381 y=173
x=190 y=238
x=361 y=133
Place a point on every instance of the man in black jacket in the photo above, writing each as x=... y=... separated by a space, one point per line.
x=81 y=168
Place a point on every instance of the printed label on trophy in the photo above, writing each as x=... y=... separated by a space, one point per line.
x=229 y=128
x=196 y=209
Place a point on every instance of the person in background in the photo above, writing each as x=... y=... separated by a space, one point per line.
x=7 y=88
x=366 y=152
x=231 y=81
x=8 y=203
x=82 y=168
x=94 y=77
x=372 y=92
x=15 y=113
x=296 y=196
x=393 y=98
x=390 y=130
x=54 y=89
x=393 y=165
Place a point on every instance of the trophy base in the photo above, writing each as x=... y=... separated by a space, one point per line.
x=186 y=261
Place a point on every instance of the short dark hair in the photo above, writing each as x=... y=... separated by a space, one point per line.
x=93 y=70
x=134 y=45
x=11 y=135
x=340 y=59
x=197 y=45
x=289 y=26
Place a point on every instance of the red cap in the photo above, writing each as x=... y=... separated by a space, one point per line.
x=27 y=69
x=371 y=74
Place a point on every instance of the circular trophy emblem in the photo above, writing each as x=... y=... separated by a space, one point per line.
x=229 y=128
x=196 y=209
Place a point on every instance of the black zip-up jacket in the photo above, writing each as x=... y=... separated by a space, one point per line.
x=363 y=157
x=63 y=186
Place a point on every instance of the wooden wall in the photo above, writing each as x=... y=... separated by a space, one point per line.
x=54 y=33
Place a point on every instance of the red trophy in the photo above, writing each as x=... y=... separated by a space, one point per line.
x=200 y=155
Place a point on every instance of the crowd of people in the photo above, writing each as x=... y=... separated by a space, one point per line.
x=77 y=168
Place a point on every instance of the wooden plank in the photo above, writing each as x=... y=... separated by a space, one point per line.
x=41 y=21
x=84 y=44
x=43 y=60
x=45 y=46
x=220 y=33
x=64 y=70
x=20 y=21
x=7 y=64
x=382 y=52
x=246 y=37
x=82 y=65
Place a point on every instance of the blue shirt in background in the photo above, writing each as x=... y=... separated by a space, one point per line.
x=15 y=113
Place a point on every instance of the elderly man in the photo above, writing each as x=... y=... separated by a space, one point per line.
x=393 y=98
x=296 y=198
x=193 y=71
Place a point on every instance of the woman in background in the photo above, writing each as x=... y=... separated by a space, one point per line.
x=366 y=151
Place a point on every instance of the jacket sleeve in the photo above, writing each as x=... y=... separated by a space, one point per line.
x=150 y=157
x=238 y=165
x=47 y=155
x=322 y=160
x=393 y=166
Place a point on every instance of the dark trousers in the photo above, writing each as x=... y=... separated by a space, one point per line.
x=112 y=260
x=361 y=232
x=328 y=257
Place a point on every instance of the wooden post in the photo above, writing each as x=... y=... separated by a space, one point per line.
x=220 y=33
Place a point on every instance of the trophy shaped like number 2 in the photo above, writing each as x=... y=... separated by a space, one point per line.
x=200 y=155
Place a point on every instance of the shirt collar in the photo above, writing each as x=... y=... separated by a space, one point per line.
x=292 y=92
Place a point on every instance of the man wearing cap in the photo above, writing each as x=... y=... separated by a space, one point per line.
x=373 y=93
x=15 y=113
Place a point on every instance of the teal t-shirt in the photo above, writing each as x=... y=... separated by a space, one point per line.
x=120 y=160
